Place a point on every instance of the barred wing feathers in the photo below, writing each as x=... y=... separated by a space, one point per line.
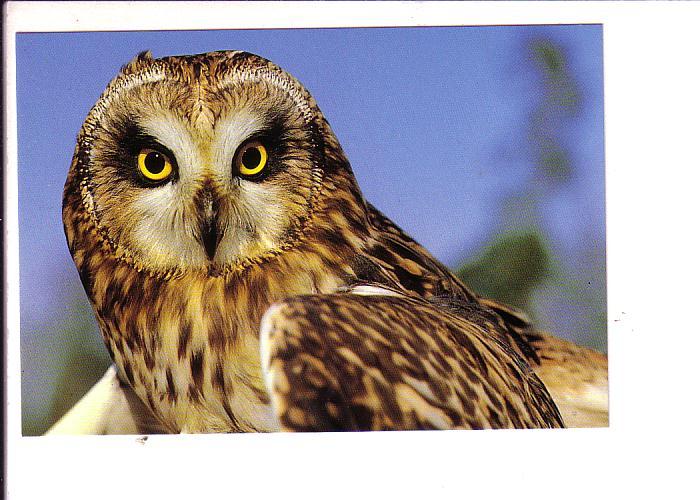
x=390 y=362
x=577 y=379
x=575 y=376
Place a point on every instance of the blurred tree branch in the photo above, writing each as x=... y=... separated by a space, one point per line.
x=519 y=263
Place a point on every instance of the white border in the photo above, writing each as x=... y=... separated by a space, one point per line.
x=135 y=16
x=652 y=135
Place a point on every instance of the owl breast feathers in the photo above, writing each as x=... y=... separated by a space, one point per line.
x=241 y=282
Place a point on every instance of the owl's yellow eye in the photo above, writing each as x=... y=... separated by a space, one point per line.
x=251 y=160
x=154 y=165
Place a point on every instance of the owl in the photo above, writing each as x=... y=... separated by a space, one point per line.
x=241 y=281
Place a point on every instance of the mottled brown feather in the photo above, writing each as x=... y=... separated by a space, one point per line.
x=350 y=362
x=577 y=379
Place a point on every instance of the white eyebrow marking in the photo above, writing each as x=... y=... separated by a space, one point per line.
x=171 y=131
x=230 y=132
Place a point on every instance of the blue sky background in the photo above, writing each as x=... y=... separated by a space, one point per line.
x=433 y=120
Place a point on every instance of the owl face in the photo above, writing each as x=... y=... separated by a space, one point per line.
x=200 y=163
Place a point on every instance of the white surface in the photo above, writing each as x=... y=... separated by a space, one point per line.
x=652 y=111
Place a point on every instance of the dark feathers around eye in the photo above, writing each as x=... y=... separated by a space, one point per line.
x=281 y=142
x=128 y=140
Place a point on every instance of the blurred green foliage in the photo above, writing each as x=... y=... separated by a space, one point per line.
x=551 y=61
x=79 y=362
x=85 y=363
x=518 y=266
x=509 y=268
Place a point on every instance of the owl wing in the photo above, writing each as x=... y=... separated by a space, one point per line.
x=109 y=407
x=576 y=377
x=374 y=359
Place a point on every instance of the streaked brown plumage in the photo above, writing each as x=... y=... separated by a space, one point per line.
x=366 y=330
x=380 y=365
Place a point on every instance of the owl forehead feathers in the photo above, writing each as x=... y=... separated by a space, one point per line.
x=201 y=88
x=200 y=110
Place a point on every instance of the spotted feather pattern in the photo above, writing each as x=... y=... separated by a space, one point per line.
x=348 y=362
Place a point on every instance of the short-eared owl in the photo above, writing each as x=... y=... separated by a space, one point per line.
x=241 y=282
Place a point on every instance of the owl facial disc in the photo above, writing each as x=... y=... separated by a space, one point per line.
x=201 y=163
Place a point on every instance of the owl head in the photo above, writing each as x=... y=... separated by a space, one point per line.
x=204 y=162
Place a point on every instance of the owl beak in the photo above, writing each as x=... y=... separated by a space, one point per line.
x=210 y=235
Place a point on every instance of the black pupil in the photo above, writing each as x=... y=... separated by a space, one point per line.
x=155 y=162
x=251 y=158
